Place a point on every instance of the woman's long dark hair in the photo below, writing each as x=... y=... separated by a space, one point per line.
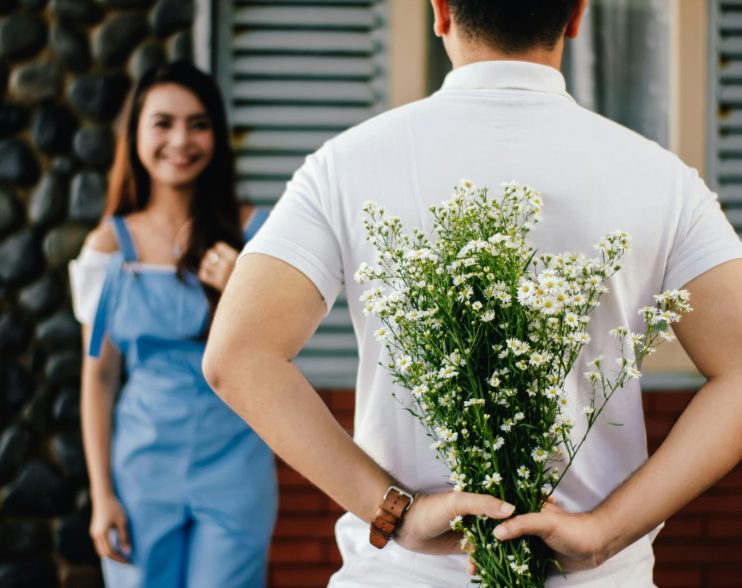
x=214 y=209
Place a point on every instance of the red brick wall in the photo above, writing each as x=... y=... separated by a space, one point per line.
x=304 y=554
x=700 y=547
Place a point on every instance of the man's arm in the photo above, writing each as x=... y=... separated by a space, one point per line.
x=704 y=444
x=266 y=314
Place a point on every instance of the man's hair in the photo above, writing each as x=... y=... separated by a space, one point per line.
x=513 y=26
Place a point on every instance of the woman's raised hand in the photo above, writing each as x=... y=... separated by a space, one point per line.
x=217 y=265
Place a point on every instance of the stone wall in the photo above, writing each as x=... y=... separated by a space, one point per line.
x=65 y=69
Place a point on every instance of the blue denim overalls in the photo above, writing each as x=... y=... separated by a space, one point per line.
x=198 y=485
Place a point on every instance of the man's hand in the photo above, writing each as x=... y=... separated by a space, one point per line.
x=427 y=525
x=575 y=538
x=578 y=539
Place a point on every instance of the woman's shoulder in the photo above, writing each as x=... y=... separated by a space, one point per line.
x=88 y=271
x=246 y=212
x=102 y=238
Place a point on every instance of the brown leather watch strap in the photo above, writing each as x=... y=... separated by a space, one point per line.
x=389 y=516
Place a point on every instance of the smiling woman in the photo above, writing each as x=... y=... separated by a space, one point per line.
x=183 y=491
x=175 y=149
x=174 y=137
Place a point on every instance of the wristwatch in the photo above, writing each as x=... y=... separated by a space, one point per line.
x=389 y=516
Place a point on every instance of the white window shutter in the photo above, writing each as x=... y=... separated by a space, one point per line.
x=725 y=106
x=295 y=73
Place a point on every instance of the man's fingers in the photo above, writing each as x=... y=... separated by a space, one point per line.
x=536 y=523
x=551 y=506
x=467 y=503
x=472 y=570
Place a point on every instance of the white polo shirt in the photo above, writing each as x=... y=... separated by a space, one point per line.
x=493 y=122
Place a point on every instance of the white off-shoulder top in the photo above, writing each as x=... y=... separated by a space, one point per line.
x=87 y=274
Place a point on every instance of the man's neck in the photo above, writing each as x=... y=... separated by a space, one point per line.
x=467 y=53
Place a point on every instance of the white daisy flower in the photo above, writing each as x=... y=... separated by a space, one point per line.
x=488 y=316
x=404 y=363
x=491 y=480
x=539 y=455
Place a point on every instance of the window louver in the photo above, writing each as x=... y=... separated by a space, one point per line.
x=725 y=106
x=295 y=73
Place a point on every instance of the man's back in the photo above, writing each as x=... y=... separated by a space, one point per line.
x=495 y=122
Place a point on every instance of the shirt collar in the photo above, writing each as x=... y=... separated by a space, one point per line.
x=511 y=75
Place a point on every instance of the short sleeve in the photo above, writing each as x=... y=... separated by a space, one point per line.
x=299 y=230
x=87 y=275
x=704 y=238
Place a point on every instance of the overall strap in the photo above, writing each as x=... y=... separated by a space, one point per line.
x=123 y=237
x=257 y=220
x=100 y=322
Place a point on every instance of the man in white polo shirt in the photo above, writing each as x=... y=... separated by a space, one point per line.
x=502 y=114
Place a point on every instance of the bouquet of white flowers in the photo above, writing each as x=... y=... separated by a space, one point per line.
x=483 y=331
